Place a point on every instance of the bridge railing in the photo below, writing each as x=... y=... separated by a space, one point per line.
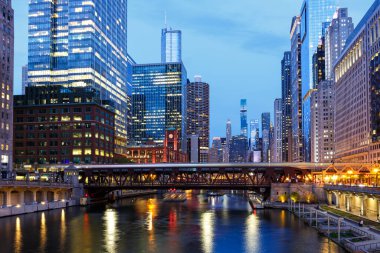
x=11 y=183
x=359 y=189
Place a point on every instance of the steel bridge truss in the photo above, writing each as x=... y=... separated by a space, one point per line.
x=197 y=178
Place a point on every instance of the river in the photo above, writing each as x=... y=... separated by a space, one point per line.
x=146 y=225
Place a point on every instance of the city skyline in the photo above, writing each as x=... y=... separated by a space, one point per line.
x=204 y=39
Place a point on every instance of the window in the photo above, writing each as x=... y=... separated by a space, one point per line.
x=77 y=151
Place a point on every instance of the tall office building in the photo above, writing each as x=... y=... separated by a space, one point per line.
x=243 y=118
x=216 y=151
x=286 y=106
x=357 y=93
x=335 y=39
x=6 y=88
x=238 y=149
x=158 y=103
x=314 y=13
x=171 y=45
x=254 y=135
x=198 y=114
x=228 y=131
x=296 y=91
x=265 y=129
x=24 y=78
x=82 y=43
x=277 y=131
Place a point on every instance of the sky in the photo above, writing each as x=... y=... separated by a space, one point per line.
x=236 y=46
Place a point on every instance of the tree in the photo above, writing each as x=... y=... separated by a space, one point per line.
x=295 y=196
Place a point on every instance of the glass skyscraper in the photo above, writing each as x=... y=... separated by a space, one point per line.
x=286 y=88
x=254 y=135
x=158 y=103
x=314 y=13
x=171 y=45
x=265 y=128
x=243 y=118
x=79 y=43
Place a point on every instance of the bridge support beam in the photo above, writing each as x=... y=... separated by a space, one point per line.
x=363 y=206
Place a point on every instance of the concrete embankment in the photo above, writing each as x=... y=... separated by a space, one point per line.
x=37 y=207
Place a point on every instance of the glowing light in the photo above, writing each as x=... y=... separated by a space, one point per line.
x=252 y=231
x=207 y=231
x=18 y=235
x=111 y=232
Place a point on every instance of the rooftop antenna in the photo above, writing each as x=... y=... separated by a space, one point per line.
x=166 y=23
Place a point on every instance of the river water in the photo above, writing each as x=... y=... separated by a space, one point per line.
x=201 y=224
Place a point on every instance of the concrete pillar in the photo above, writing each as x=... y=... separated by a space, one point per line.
x=337 y=199
x=44 y=196
x=329 y=198
x=348 y=202
x=8 y=197
x=363 y=206
x=34 y=192
x=56 y=196
x=22 y=197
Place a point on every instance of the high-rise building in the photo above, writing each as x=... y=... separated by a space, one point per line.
x=357 y=93
x=171 y=46
x=193 y=150
x=265 y=129
x=158 y=103
x=198 y=114
x=286 y=88
x=243 y=118
x=6 y=80
x=80 y=43
x=296 y=90
x=238 y=149
x=60 y=125
x=216 y=151
x=277 y=131
x=228 y=140
x=254 y=135
x=314 y=13
x=335 y=39
x=24 y=78
x=319 y=63
x=323 y=122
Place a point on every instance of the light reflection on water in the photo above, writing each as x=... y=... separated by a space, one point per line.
x=201 y=224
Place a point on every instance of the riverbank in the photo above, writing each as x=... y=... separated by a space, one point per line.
x=345 y=232
x=35 y=207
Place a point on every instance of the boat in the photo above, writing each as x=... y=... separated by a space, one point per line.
x=215 y=194
x=255 y=201
x=175 y=196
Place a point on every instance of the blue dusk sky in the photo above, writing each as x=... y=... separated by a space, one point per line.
x=236 y=46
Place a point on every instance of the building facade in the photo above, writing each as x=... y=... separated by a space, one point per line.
x=238 y=149
x=286 y=91
x=335 y=39
x=278 y=131
x=24 y=78
x=71 y=44
x=198 y=114
x=314 y=13
x=171 y=45
x=296 y=90
x=254 y=135
x=243 y=118
x=6 y=88
x=265 y=128
x=216 y=151
x=59 y=125
x=357 y=93
x=158 y=103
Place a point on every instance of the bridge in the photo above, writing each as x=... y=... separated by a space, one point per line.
x=247 y=176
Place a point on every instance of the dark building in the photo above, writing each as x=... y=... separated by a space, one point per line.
x=59 y=125
x=238 y=149
x=198 y=114
x=319 y=64
x=6 y=84
x=286 y=87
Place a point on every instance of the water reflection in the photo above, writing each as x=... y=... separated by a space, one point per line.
x=111 y=232
x=43 y=233
x=252 y=234
x=207 y=231
x=63 y=228
x=18 y=236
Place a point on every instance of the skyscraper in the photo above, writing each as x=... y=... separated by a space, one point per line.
x=357 y=93
x=243 y=118
x=158 y=103
x=238 y=149
x=286 y=106
x=254 y=135
x=171 y=45
x=228 y=131
x=82 y=43
x=24 y=79
x=314 y=13
x=277 y=132
x=265 y=128
x=6 y=80
x=198 y=114
x=296 y=91
x=335 y=39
